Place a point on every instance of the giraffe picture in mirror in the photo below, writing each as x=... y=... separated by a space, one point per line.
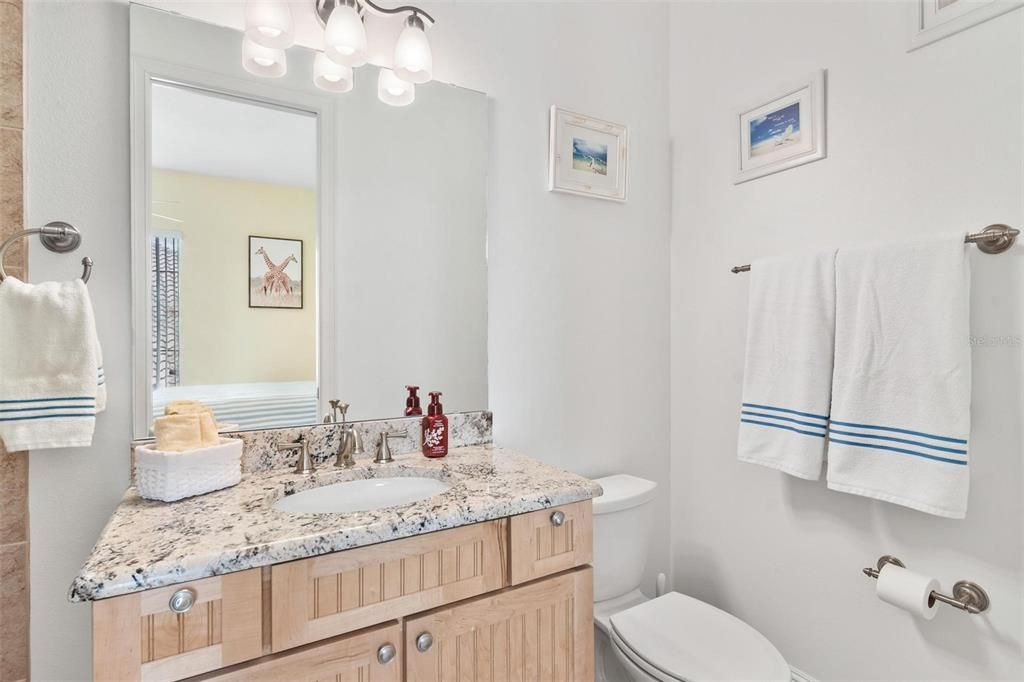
x=275 y=272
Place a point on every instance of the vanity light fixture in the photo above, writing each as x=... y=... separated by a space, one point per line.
x=269 y=23
x=263 y=61
x=330 y=76
x=269 y=31
x=393 y=90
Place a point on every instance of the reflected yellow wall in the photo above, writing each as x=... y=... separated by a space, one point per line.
x=223 y=340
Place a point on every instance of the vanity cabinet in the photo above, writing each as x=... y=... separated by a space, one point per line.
x=540 y=631
x=509 y=598
x=178 y=631
x=550 y=540
x=361 y=657
x=313 y=599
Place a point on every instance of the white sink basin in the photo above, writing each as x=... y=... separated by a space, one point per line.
x=361 y=495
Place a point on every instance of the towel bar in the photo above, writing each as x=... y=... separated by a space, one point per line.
x=58 y=236
x=967 y=596
x=993 y=239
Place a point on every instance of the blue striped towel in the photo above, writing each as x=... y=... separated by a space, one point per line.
x=788 y=371
x=901 y=390
x=52 y=382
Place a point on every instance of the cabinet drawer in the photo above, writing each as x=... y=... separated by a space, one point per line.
x=550 y=540
x=541 y=631
x=325 y=596
x=139 y=636
x=353 y=658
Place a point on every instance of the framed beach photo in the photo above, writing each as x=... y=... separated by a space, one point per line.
x=783 y=132
x=933 y=20
x=587 y=156
x=275 y=272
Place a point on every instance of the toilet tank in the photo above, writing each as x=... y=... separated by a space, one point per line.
x=623 y=532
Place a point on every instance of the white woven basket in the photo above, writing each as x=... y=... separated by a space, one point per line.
x=170 y=476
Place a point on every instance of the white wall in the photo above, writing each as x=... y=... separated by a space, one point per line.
x=917 y=143
x=77 y=170
x=578 y=288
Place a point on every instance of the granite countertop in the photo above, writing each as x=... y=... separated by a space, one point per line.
x=150 y=544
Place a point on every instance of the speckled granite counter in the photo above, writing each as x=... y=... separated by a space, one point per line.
x=151 y=544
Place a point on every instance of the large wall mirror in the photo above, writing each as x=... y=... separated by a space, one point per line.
x=293 y=246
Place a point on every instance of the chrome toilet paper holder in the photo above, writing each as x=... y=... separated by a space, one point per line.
x=967 y=596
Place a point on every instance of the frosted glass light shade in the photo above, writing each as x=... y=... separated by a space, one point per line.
x=345 y=36
x=330 y=76
x=263 y=61
x=413 y=60
x=269 y=23
x=393 y=90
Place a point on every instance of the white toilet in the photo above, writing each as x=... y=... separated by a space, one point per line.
x=672 y=637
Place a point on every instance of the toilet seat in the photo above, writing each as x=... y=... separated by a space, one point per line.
x=675 y=638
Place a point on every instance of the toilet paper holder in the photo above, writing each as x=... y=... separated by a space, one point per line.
x=967 y=596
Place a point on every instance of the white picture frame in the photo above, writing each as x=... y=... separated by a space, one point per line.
x=784 y=131
x=932 y=20
x=587 y=155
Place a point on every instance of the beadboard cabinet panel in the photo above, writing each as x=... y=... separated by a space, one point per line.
x=540 y=631
x=329 y=595
x=551 y=540
x=139 y=637
x=352 y=658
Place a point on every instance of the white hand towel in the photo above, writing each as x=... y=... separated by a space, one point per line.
x=901 y=390
x=788 y=375
x=51 y=370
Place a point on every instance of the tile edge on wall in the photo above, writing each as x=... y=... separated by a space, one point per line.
x=14 y=540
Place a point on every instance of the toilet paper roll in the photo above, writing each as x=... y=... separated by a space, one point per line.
x=907 y=590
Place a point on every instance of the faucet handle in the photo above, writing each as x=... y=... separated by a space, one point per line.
x=384 y=449
x=304 y=465
x=289 y=446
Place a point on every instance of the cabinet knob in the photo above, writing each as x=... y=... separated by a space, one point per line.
x=386 y=653
x=182 y=600
x=424 y=641
x=557 y=518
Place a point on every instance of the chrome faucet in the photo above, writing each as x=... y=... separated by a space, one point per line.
x=384 y=449
x=336 y=406
x=351 y=444
x=304 y=465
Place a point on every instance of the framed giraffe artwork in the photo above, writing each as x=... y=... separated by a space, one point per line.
x=275 y=272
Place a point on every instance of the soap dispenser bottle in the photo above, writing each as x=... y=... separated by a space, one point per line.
x=412 y=403
x=435 y=428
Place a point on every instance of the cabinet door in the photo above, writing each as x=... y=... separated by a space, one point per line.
x=543 y=631
x=551 y=540
x=330 y=595
x=353 y=658
x=140 y=637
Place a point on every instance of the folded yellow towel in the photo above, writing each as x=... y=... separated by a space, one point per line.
x=185 y=407
x=208 y=429
x=179 y=432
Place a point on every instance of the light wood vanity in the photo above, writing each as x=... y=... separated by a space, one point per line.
x=509 y=598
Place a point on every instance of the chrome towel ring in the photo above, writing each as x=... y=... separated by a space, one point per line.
x=58 y=236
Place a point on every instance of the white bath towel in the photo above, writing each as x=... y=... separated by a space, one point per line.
x=788 y=374
x=901 y=390
x=51 y=369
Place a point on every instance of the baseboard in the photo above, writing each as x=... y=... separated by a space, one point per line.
x=800 y=675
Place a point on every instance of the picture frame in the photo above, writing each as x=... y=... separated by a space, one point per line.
x=933 y=20
x=784 y=131
x=587 y=156
x=275 y=272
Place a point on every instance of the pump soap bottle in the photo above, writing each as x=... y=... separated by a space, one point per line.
x=412 y=403
x=435 y=428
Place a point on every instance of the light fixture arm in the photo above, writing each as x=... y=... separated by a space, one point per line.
x=323 y=9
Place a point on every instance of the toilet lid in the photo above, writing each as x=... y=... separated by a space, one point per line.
x=686 y=639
